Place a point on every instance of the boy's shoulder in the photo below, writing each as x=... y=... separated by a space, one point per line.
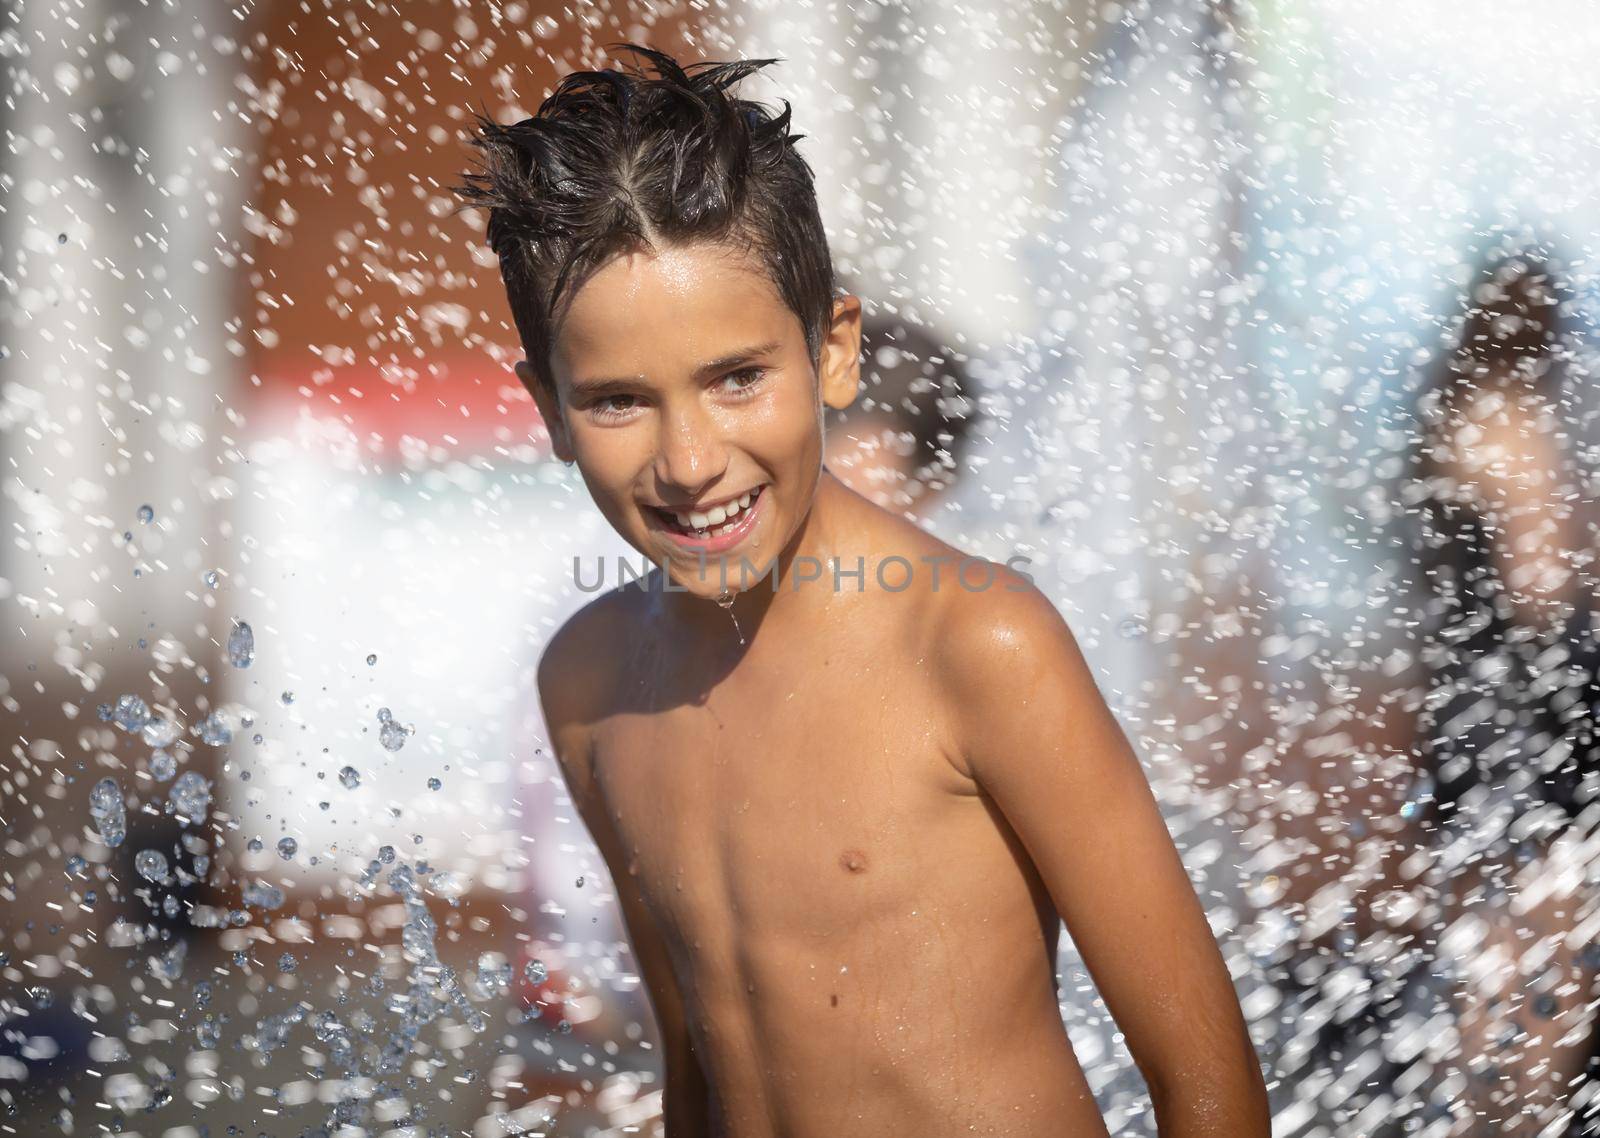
x=1003 y=656
x=573 y=675
x=987 y=625
x=983 y=619
x=967 y=592
x=991 y=617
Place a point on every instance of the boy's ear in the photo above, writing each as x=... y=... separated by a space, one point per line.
x=841 y=354
x=549 y=409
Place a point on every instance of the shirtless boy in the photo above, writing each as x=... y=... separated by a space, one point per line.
x=844 y=814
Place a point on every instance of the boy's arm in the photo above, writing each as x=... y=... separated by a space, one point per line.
x=1032 y=728
x=685 y=1100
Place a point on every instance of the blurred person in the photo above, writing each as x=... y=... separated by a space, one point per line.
x=824 y=812
x=901 y=443
x=1507 y=731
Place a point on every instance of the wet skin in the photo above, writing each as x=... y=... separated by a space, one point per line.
x=842 y=838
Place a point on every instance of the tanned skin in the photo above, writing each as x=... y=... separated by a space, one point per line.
x=842 y=846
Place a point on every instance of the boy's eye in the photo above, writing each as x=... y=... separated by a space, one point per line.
x=619 y=406
x=741 y=381
x=612 y=406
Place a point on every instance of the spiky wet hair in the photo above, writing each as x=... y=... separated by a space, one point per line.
x=617 y=159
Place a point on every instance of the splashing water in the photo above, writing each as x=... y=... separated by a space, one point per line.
x=241 y=645
x=190 y=797
x=161 y=732
x=162 y=765
x=1234 y=286
x=260 y=895
x=214 y=729
x=392 y=735
x=152 y=866
x=108 y=812
x=131 y=713
x=168 y=965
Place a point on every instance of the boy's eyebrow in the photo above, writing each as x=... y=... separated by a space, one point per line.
x=721 y=363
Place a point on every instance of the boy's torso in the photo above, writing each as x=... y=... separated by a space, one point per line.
x=862 y=944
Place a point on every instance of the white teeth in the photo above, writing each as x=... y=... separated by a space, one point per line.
x=715 y=516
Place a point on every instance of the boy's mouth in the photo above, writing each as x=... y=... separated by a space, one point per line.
x=726 y=520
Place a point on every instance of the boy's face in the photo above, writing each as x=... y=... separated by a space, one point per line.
x=684 y=388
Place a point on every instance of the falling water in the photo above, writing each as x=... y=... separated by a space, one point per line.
x=725 y=602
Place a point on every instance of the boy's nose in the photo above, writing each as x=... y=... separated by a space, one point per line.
x=690 y=454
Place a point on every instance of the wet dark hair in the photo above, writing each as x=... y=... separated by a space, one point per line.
x=1511 y=330
x=909 y=375
x=617 y=160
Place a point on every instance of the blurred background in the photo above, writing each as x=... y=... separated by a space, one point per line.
x=1265 y=330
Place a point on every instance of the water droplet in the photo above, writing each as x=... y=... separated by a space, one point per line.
x=287 y=848
x=169 y=964
x=191 y=795
x=494 y=973
x=372 y=659
x=434 y=784
x=535 y=972
x=392 y=736
x=241 y=644
x=152 y=865
x=214 y=729
x=131 y=712
x=260 y=895
x=349 y=777
x=163 y=766
x=287 y=697
x=161 y=732
x=210 y=578
x=108 y=812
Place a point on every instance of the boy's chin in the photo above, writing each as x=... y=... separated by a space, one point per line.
x=715 y=582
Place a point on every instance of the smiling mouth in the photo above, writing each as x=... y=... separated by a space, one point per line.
x=716 y=522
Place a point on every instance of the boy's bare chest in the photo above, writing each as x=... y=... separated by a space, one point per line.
x=794 y=812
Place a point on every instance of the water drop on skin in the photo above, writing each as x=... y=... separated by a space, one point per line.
x=725 y=602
